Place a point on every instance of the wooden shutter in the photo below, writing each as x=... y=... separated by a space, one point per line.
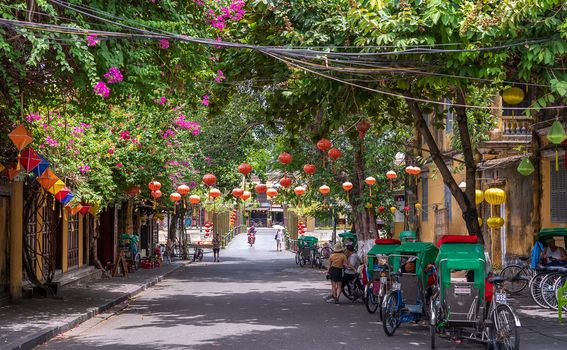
x=558 y=194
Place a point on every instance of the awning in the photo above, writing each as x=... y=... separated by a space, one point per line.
x=500 y=163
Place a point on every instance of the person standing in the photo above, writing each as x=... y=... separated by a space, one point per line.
x=337 y=262
x=168 y=251
x=279 y=240
x=216 y=248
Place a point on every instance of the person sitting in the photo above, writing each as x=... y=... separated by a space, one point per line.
x=408 y=264
x=350 y=273
x=553 y=255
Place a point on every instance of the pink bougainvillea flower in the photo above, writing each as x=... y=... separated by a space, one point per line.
x=110 y=151
x=219 y=76
x=51 y=142
x=119 y=165
x=161 y=101
x=33 y=117
x=101 y=89
x=77 y=130
x=114 y=75
x=84 y=169
x=205 y=100
x=91 y=40
x=168 y=133
x=125 y=135
x=164 y=44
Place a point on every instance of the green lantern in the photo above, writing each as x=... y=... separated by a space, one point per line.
x=556 y=135
x=526 y=167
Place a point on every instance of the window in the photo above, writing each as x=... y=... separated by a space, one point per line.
x=449 y=202
x=448 y=116
x=424 y=197
x=558 y=193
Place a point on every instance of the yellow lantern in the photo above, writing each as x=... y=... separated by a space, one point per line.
x=393 y=210
x=368 y=205
x=495 y=196
x=418 y=206
x=478 y=196
x=513 y=95
x=495 y=222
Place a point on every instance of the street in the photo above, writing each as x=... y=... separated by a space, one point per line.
x=255 y=298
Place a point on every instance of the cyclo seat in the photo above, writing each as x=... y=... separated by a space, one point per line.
x=496 y=279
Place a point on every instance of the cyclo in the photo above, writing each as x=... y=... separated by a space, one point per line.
x=411 y=275
x=463 y=306
x=307 y=251
x=349 y=238
x=377 y=273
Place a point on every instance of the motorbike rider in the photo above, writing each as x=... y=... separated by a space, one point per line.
x=352 y=273
x=251 y=234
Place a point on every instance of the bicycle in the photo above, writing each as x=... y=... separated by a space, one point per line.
x=504 y=333
x=517 y=276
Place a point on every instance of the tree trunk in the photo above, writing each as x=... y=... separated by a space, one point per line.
x=363 y=218
x=464 y=200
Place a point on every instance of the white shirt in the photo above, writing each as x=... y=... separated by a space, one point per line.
x=279 y=235
x=354 y=260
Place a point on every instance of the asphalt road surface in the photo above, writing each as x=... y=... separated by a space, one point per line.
x=255 y=298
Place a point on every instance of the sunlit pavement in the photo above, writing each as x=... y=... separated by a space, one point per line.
x=255 y=298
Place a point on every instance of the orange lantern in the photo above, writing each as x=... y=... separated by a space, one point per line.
x=21 y=138
x=370 y=181
x=335 y=153
x=299 y=190
x=154 y=186
x=272 y=192
x=285 y=182
x=309 y=169
x=323 y=145
x=362 y=127
x=347 y=186
x=194 y=199
x=183 y=189
x=132 y=191
x=156 y=194
x=245 y=169
x=175 y=197
x=391 y=175
x=261 y=188
x=237 y=192
x=210 y=179
x=285 y=158
x=215 y=192
x=47 y=179
x=246 y=195
x=324 y=190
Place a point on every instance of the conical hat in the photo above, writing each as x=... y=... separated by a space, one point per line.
x=20 y=137
x=29 y=159
x=47 y=179
x=56 y=187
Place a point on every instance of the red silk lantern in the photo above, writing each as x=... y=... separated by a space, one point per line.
x=156 y=194
x=183 y=189
x=309 y=169
x=370 y=181
x=154 y=185
x=362 y=127
x=29 y=159
x=245 y=169
x=335 y=153
x=285 y=182
x=133 y=191
x=209 y=179
x=285 y=158
x=261 y=188
x=246 y=195
x=175 y=197
x=194 y=199
x=323 y=145
x=215 y=192
x=347 y=186
x=62 y=193
x=85 y=209
x=324 y=190
x=299 y=190
x=381 y=209
x=391 y=175
x=272 y=192
x=237 y=192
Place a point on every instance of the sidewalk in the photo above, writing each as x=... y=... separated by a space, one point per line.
x=36 y=320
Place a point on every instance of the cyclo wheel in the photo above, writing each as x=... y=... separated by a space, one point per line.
x=302 y=261
x=297 y=258
x=391 y=313
x=432 y=322
x=547 y=285
x=505 y=333
x=371 y=301
x=535 y=289
x=516 y=278
x=349 y=295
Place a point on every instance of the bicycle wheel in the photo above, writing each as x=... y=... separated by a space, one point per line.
x=297 y=258
x=301 y=261
x=558 y=284
x=505 y=334
x=391 y=314
x=535 y=289
x=547 y=292
x=371 y=301
x=516 y=278
x=350 y=295
x=432 y=322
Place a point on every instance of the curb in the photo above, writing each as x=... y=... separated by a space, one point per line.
x=43 y=336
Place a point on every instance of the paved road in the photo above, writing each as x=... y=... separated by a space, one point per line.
x=255 y=298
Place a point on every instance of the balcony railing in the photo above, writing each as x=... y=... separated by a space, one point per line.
x=516 y=126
